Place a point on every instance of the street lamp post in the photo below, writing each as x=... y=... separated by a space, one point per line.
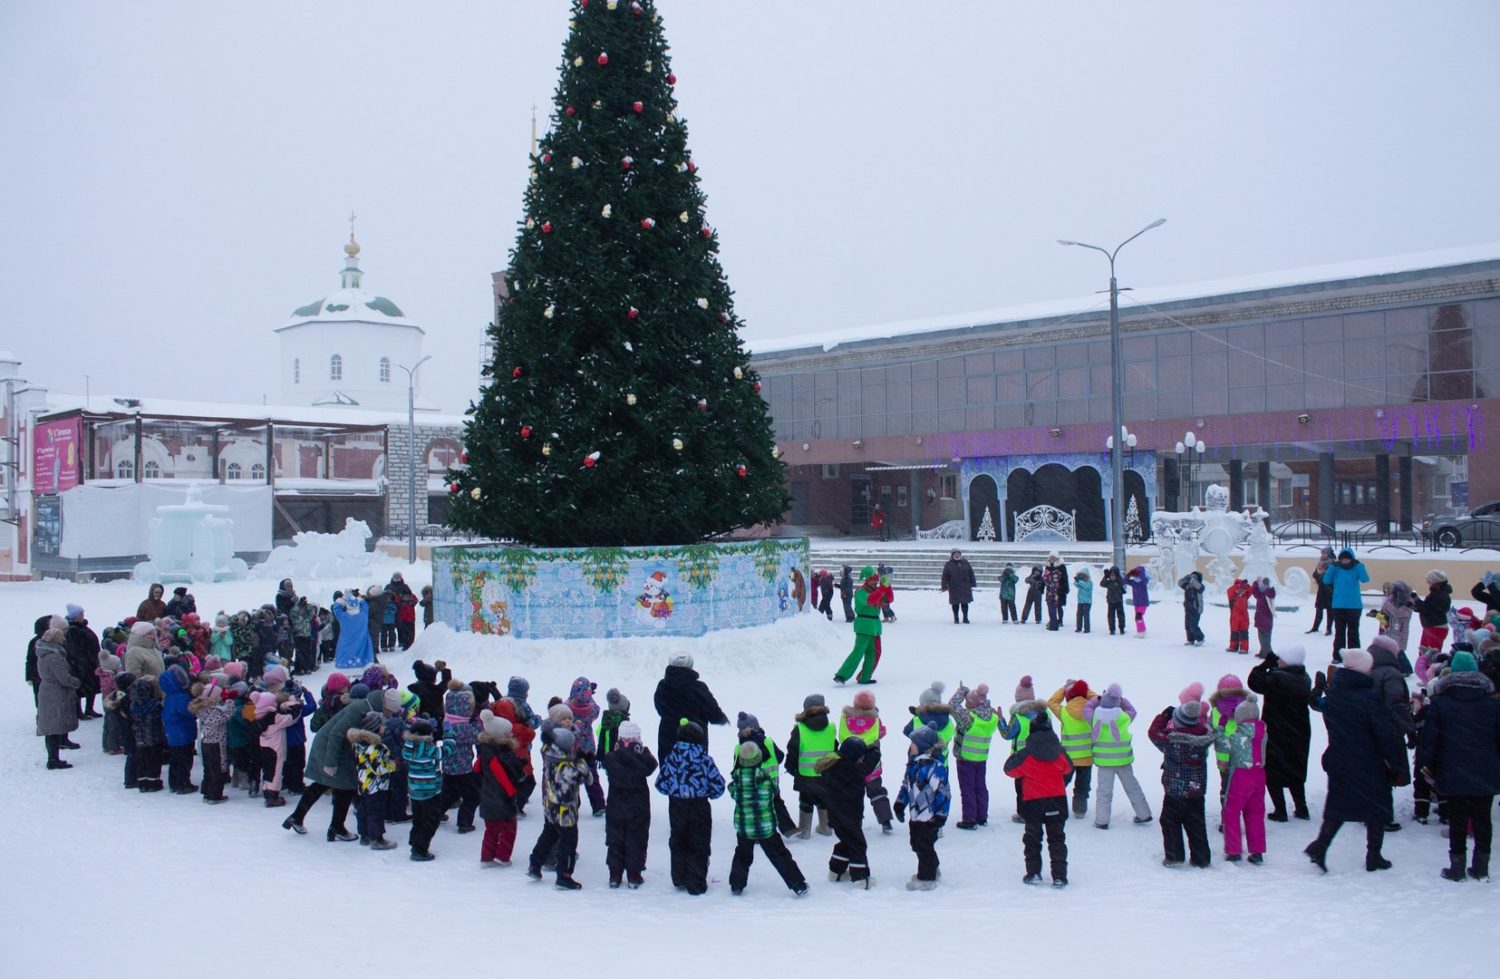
x=1189 y=454
x=1117 y=395
x=411 y=459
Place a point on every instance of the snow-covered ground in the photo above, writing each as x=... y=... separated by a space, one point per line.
x=161 y=885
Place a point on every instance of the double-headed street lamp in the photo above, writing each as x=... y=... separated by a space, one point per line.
x=1190 y=453
x=1117 y=396
x=411 y=471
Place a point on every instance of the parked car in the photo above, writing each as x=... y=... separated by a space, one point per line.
x=1491 y=509
x=1466 y=532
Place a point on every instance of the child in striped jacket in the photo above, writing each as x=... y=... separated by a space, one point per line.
x=424 y=783
x=925 y=794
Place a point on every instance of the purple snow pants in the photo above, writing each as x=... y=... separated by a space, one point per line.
x=973 y=792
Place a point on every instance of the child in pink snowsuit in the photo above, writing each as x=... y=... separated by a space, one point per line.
x=1138 y=579
x=1246 y=799
x=273 y=720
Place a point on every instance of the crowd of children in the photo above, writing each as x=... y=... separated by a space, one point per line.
x=183 y=695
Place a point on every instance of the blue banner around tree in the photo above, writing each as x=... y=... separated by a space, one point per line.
x=604 y=592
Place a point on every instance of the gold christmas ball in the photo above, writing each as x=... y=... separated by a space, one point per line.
x=546 y=448
x=474 y=493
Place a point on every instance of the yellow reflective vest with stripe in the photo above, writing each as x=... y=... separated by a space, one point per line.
x=1112 y=743
x=812 y=746
x=1218 y=722
x=974 y=744
x=1077 y=738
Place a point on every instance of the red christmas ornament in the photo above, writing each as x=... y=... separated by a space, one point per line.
x=671 y=79
x=692 y=167
x=625 y=162
x=639 y=107
x=635 y=8
x=706 y=231
x=633 y=313
x=590 y=460
x=546 y=157
x=723 y=317
x=516 y=372
x=583 y=4
x=463 y=457
x=603 y=58
x=648 y=223
x=569 y=111
x=453 y=487
x=525 y=431
x=546 y=227
x=741 y=471
x=756 y=387
x=702 y=405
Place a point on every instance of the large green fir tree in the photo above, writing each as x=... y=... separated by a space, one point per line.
x=620 y=408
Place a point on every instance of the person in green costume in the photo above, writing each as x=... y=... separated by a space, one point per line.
x=869 y=599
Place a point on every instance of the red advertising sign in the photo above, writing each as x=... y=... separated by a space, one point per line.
x=54 y=456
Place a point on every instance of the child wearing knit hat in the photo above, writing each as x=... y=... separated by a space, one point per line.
x=1042 y=769
x=1067 y=705
x=1432 y=613
x=627 y=813
x=500 y=772
x=616 y=712
x=752 y=786
x=925 y=794
x=1023 y=713
x=424 y=758
x=933 y=712
x=771 y=758
x=976 y=722
x=813 y=738
x=373 y=766
x=689 y=778
x=1110 y=718
x=862 y=720
x=1183 y=737
x=1245 y=770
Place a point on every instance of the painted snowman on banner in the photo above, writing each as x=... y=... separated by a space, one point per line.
x=654 y=605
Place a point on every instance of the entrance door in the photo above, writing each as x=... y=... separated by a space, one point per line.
x=859 y=506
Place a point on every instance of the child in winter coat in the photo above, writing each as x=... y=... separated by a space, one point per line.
x=844 y=773
x=1042 y=769
x=1238 y=597
x=1228 y=695
x=1246 y=798
x=977 y=721
x=1395 y=615
x=180 y=728
x=1114 y=600
x=150 y=738
x=1265 y=613
x=862 y=720
x=585 y=712
x=1183 y=738
x=562 y=775
x=925 y=794
x=772 y=758
x=1083 y=591
x=616 y=712
x=109 y=665
x=426 y=604
x=523 y=735
x=1138 y=580
x=1192 y=606
x=846 y=592
x=934 y=713
x=220 y=641
x=430 y=686
x=424 y=779
x=1008 y=579
x=689 y=779
x=1067 y=704
x=752 y=786
x=1023 y=713
x=516 y=691
x=119 y=703
x=1035 y=582
x=273 y=717
x=627 y=816
x=1110 y=718
x=373 y=768
x=212 y=712
x=460 y=778
x=500 y=774
x=1432 y=614
x=242 y=740
x=812 y=739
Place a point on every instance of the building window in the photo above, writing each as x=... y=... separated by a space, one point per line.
x=125 y=469
x=153 y=470
x=335 y=368
x=948 y=484
x=233 y=471
x=385 y=370
x=258 y=472
x=296 y=370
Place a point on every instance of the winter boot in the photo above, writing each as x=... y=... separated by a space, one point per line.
x=1455 y=869
x=273 y=799
x=1480 y=868
x=1317 y=852
x=823 y=829
x=567 y=883
x=1374 y=838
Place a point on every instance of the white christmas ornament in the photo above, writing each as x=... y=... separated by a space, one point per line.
x=606 y=211
x=630 y=399
x=683 y=217
x=739 y=374
x=530 y=223
x=576 y=163
x=702 y=303
x=578 y=62
x=474 y=493
x=677 y=444
x=612 y=4
x=551 y=309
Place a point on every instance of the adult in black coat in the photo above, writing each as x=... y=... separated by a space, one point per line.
x=1460 y=754
x=683 y=698
x=1364 y=759
x=83 y=659
x=846 y=592
x=1284 y=686
x=1487 y=590
x=627 y=813
x=32 y=676
x=959 y=582
x=182 y=603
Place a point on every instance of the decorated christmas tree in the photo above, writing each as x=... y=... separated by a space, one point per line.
x=620 y=407
x=1133 y=533
x=986 y=529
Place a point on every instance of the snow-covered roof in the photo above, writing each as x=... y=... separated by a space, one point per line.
x=59 y=403
x=1338 y=272
x=349 y=306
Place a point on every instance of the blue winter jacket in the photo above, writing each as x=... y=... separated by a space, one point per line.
x=689 y=773
x=179 y=723
x=1345 y=582
x=297 y=733
x=1083 y=590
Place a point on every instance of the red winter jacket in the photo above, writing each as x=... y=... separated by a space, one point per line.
x=1039 y=779
x=1239 y=605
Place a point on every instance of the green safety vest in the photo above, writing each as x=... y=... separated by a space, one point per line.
x=1023 y=723
x=771 y=767
x=870 y=737
x=1111 y=751
x=974 y=744
x=945 y=735
x=1229 y=728
x=812 y=746
x=1077 y=737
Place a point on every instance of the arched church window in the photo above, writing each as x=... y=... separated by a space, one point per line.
x=385 y=370
x=335 y=368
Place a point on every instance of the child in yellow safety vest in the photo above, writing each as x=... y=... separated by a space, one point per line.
x=1077 y=738
x=931 y=711
x=976 y=721
x=1228 y=694
x=1023 y=712
x=1109 y=720
x=813 y=738
x=862 y=720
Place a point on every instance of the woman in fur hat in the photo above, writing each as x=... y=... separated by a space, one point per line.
x=57 y=692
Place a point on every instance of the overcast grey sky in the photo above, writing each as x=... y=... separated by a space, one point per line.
x=175 y=176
